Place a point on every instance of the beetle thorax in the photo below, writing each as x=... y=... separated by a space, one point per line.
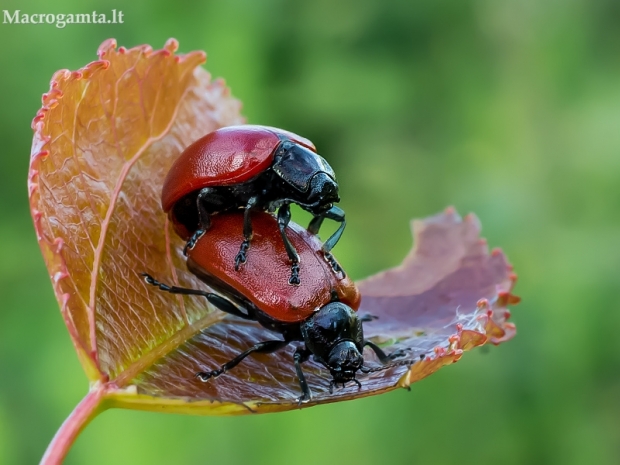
x=307 y=179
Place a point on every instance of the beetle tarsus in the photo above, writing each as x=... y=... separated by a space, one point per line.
x=334 y=264
x=241 y=257
x=153 y=282
x=205 y=376
x=192 y=240
x=303 y=399
x=294 y=279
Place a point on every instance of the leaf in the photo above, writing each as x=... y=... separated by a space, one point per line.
x=104 y=140
x=449 y=295
x=103 y=143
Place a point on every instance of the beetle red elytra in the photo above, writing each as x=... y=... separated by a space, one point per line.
x=322 y=313
x=260 y=280
x=252 y=168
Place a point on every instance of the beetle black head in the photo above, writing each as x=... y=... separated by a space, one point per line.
x=344 y=361
x=323 y=193
x=334 y=335
x=311 y=181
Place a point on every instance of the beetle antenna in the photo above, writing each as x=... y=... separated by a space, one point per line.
x=400 y=363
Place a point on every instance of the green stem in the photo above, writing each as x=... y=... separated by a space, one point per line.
x=83 y=413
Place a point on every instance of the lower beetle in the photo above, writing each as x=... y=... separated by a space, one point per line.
x=321 y=313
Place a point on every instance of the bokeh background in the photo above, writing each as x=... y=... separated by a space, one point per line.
x=509 y=109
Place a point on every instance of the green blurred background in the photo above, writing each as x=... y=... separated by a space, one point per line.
x=509 y=109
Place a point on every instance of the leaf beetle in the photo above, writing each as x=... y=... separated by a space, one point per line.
x=252 y=168
x=322 y=313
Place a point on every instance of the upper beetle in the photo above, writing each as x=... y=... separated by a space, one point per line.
x=321 y=313
x=254 y=168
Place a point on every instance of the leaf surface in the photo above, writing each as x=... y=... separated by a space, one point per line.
x=449 y=295
x=103 y=143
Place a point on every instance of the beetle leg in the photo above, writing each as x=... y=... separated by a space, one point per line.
x=302 y=355
x=333 y=383
x=204 y=219
x=336 y=214
x=383 y=357
x=284 y=217
x=315 y=224
x=218 y=301
x=247 y=233
x=189 y=245
x=265 y=347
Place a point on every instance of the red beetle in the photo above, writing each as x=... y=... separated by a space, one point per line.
x=321 y=313
x=252 y=168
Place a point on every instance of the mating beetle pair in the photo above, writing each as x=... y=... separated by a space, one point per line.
x=251 y=168
x=321 y=313
x=261 y=168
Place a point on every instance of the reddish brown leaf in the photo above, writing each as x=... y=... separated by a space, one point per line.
x=104 y=140
x=449 y=295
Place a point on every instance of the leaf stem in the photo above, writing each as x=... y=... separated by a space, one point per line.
x=84 y=412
